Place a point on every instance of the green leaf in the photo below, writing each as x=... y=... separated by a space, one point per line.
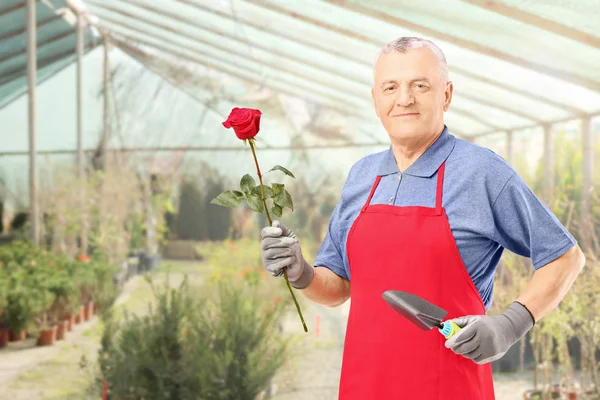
x=277 y=210
x=268 y=191
x=247 y=183
x=277 y=189
x=229 y=198
x=282 y=169
x=255 y=203
x=284 y=199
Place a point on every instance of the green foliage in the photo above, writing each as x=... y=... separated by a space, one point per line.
x=40 y=288
x=186 y=347
x=255 y=196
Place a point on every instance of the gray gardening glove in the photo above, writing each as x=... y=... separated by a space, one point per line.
x=486 y=338
x=279 y=247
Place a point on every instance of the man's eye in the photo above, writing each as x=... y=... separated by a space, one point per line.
x=387 y=89
x=420 y=86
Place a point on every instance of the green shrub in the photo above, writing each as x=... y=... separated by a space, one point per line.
x=187 y=347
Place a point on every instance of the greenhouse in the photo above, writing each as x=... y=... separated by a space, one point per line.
x=133 y=216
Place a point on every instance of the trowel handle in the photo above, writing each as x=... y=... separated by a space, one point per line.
x=449 y=329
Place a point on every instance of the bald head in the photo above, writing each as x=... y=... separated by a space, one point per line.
x=406 y=43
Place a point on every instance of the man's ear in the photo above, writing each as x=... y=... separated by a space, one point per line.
x=448 y=95
x=374 y=102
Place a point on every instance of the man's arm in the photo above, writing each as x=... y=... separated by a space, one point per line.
x=550 y=284
x=327 y=288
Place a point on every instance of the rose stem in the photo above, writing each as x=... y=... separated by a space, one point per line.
x=271 y=223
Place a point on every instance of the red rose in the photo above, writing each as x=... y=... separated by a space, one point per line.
x=244 y=121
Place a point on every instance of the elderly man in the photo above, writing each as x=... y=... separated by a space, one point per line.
x=431 y=216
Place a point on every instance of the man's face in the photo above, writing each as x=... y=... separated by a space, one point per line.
x=410 y=94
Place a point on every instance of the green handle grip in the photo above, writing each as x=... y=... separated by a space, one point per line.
x=449 y=329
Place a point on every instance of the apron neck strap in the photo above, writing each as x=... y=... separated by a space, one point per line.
x=372 y=192
x=440 y=186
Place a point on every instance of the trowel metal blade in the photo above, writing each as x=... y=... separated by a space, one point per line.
x=419 y=311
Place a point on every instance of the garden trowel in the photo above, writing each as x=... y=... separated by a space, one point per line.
x=420 y=312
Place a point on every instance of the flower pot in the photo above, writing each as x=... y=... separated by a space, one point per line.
x=149 y=263
x=16 y=337
x=80 y=317
x=4 y=337
x=69 y=321
x=61 y=330
x=89 y=311
x=47 y=337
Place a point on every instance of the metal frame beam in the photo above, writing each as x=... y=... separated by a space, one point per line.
x=40 y=45
x=18 y=72
x=556 y=121
x=31 y=16
x=15 y=8
x=199 y=148
x=502 y=108
x=539 y=22
x=588 y=180
x=23 y=31
x=548 y=170
x=510 y=153
x=466 y=44
x=349 y=57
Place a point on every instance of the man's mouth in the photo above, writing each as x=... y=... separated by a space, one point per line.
x=405 y=115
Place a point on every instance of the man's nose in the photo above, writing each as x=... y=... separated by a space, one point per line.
x=405 y=98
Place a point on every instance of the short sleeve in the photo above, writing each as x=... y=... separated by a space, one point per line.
x=331 y=254
x=525 y=226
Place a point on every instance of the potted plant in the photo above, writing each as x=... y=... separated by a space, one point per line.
x=24 y=303
x=66 y=296
x=4 y=332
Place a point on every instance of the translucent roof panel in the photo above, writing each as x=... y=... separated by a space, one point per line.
x=55 y=44
x=509 y=68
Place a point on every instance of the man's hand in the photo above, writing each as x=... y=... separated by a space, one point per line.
x=280 y=248
x=485 y=338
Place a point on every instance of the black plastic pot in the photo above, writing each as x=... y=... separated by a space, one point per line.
x=149 y=263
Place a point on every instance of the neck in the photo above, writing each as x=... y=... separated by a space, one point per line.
x=407 y=152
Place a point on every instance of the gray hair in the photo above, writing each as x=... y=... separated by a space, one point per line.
x=403 y=44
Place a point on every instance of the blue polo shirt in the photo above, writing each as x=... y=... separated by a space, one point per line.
x=489 y=208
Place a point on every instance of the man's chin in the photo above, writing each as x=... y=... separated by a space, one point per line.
x=409 y=132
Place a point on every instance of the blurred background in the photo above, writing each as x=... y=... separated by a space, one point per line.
x=118 y=276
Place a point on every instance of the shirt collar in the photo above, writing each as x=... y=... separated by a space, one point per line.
x=427 y=164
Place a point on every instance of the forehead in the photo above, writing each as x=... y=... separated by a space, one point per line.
x=420 y=62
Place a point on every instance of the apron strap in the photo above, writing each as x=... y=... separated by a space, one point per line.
x=440 y=185
x=372 y=192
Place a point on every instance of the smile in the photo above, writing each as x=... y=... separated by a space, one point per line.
x=405 y=115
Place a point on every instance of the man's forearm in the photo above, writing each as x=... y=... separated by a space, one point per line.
x=550 y=284
x=327 y=288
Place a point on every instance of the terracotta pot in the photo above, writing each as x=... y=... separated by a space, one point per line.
x=61 y=330
x=69 y=321
x=89 y=311
x=14 y=337
x=47 y=337
x=79 y=318
x=4 y=337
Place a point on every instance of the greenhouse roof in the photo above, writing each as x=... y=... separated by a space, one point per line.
x=55 y=44
x=514 y=64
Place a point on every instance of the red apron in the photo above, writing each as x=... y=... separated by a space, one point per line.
x=385 y=356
